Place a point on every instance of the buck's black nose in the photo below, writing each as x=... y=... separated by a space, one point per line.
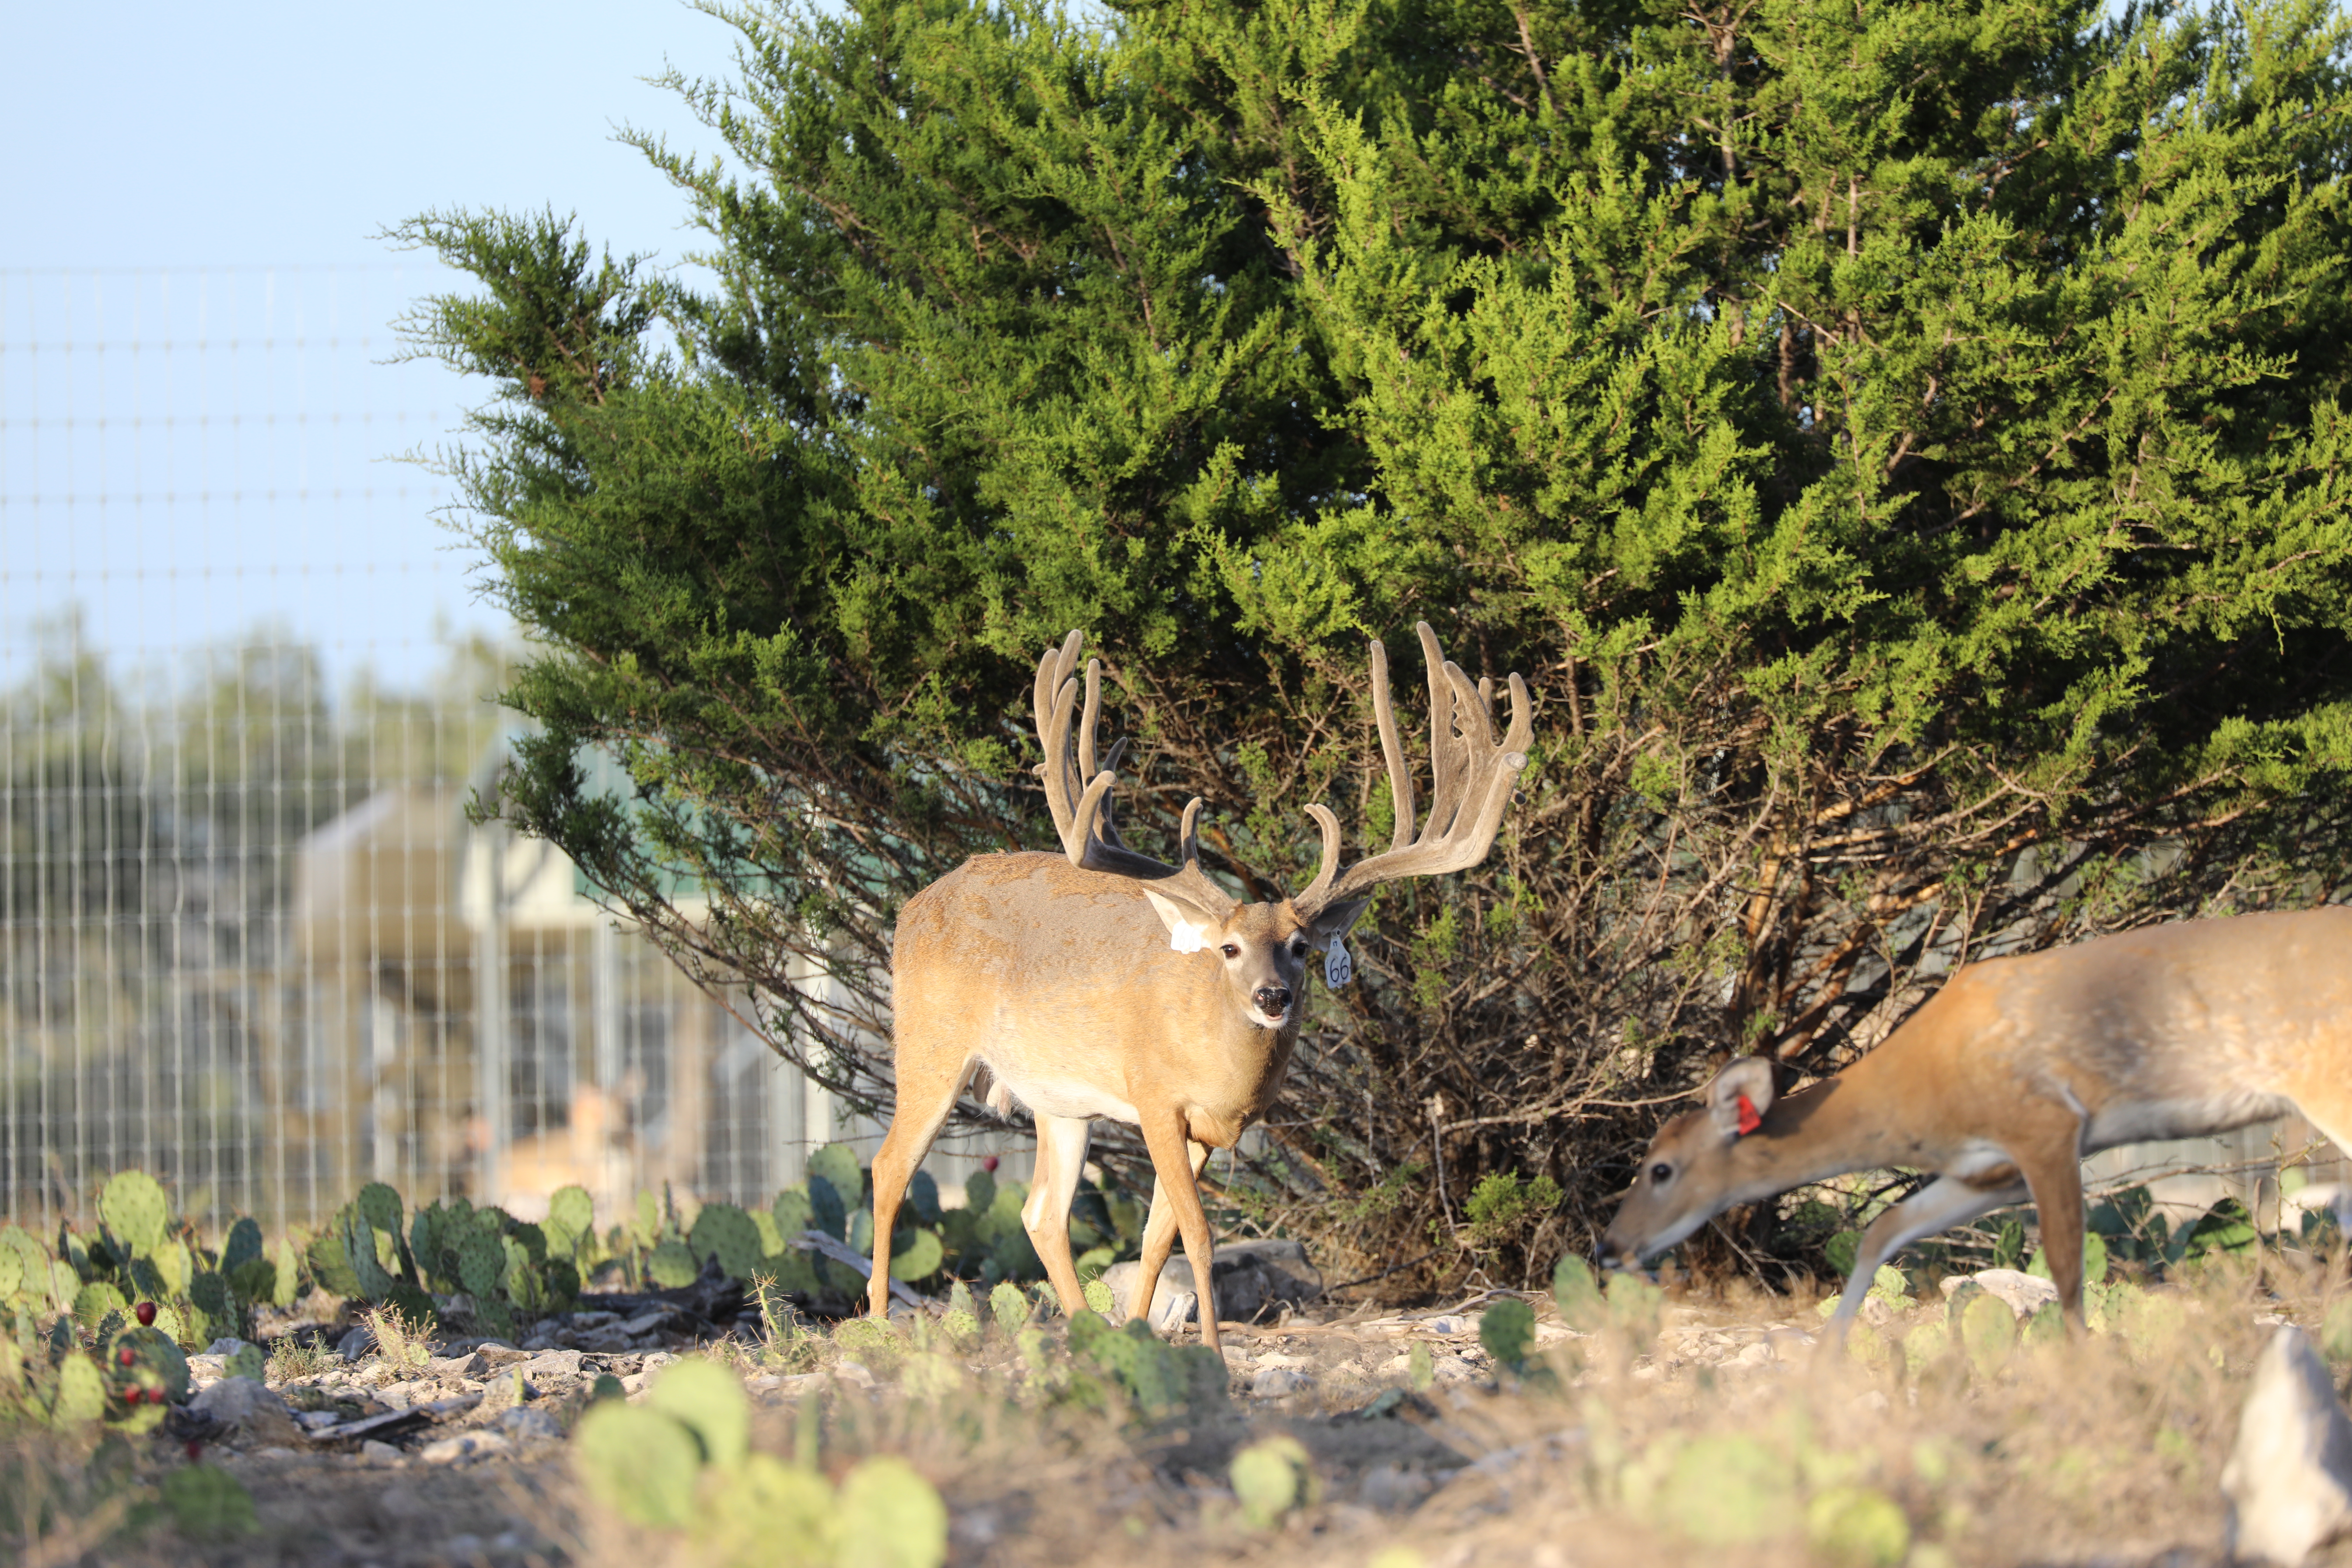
x=1273 y=1001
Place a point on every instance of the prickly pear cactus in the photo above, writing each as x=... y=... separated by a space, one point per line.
x=725 y=1231
x=1578 y=1296
x=93 y=1302
x=146 y=1359
x=570 y=1219
x=80 y=1393
x=792 y=1213
x=242 y=1246
x=1988 y=1333
x=1273 y=1476
x=672 y=1264
x=890 y=1518
x=360 y=1253
x=978 y=1193
x=838 y=1163
x=1009 y=1306
x=381 y=1205
x=1099 y=1298
x=918 y=1256
x=479 y=1257
x=923 y=1197
x=706 y=1398
x=133 y=1208
x=642 y=1462
x=827 y=1212
x=1507 y=1331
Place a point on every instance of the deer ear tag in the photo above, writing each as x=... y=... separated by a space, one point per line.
x=1338 y=968
x=1748 y=1120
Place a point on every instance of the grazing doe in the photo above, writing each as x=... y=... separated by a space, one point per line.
x=2017 y=1070
x=1101 y=983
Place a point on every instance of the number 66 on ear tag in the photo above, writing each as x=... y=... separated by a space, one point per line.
x=1337 y=968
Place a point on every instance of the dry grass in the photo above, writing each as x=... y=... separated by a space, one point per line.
x=2109 y=1451
x=1701 y=1448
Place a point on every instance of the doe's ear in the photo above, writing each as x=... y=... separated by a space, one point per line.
x=1189 y=927
x=1740 y=1096
x=1336 y=922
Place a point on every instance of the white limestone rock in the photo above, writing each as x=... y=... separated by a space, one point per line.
x=2289 y=1481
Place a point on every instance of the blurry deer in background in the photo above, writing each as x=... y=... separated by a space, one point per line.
x=1099 y=982
x=2017 y=1070
x=594 y=1150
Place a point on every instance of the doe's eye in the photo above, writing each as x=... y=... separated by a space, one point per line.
x=1229 y=951
x=1661 y=1171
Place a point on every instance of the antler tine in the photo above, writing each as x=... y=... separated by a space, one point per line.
x=1391 y=749
x=1472 y=776
x=1082 y=815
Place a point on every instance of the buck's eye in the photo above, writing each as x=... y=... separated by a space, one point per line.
x=1229 y=951
x=1662 y=1172
x=1297 y=950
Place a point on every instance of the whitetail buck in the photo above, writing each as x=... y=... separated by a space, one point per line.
x=2016 y=1070
x=1099 y=982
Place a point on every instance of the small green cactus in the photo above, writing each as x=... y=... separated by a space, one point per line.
x=1858 y=1527
x=1272 y=1478
x=147 y=1359
x=706 y=1398
x=792 y=1212
x=93 y=1302
x=827 y=1212
x=918 y=1256
x=1099 y=1298
x=1987 y=1330
x=1009 y=1306
x=481 y=1258
x=1507 y=1331
x=360 y=1253
x=245 y=1360
x=725 y=1231
x=923 y=1197
x=208 y=1503
x=672 y=1264
x=133 y=1209
x=642 y=1461
x=80 y=1394
x=838 y=1164
x=572 y=1217
x=1637 y=1309
x=1577 y=1294
x=890 y=1518
x=1420 y=1367
x=978 y=1193
x=242 y=1246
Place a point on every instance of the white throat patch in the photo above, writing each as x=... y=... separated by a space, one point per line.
x=1187 y=937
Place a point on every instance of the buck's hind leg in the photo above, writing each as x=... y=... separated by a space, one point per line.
x=1061 y=1161
x=928 y=1086
x=2327 y=1105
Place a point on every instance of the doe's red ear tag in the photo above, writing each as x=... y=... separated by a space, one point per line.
x=1748 y=1120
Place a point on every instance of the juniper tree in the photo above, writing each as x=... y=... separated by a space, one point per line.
x=1902 y=445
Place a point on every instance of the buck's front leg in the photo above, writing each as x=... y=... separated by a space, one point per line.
x=1061 y=1161
x=1160 y=1225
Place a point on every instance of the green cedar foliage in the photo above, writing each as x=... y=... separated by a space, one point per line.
x=1901 y=444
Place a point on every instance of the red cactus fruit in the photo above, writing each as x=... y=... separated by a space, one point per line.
x=988 y=1163
x=127 y=1357
x=146 y=1314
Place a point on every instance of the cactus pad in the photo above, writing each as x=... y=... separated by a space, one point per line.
x=80 y=1394
x=923 y=1197
x=672 y=1264
x=826 y=1212
x=725 y=1231
x=359 y=1251
x=979 y=1192
x=155 y=1362
x=132 y=1207
x=1270 y=1477
x=243 y=1245
x=792 y=1213
x=209 y=1294
x=642 y=1461
x=479 y=1259
x=1577 y=1294
x=1010 y=1308
x=918 y=1256
x=569 y=1213
x=706 y=1398
x=838 y=1163
x=381 y=1204
x=93 y=1302
x=890 y=1516
x=12 y=1272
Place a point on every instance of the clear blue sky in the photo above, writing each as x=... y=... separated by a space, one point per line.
x=193 y=421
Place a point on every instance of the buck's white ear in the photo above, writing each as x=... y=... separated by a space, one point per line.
x=1188 y=929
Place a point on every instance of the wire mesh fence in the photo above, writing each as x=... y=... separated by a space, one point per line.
x=250 y=939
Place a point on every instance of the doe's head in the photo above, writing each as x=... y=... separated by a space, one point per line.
x=1263 y=947
x=1697 y=1167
